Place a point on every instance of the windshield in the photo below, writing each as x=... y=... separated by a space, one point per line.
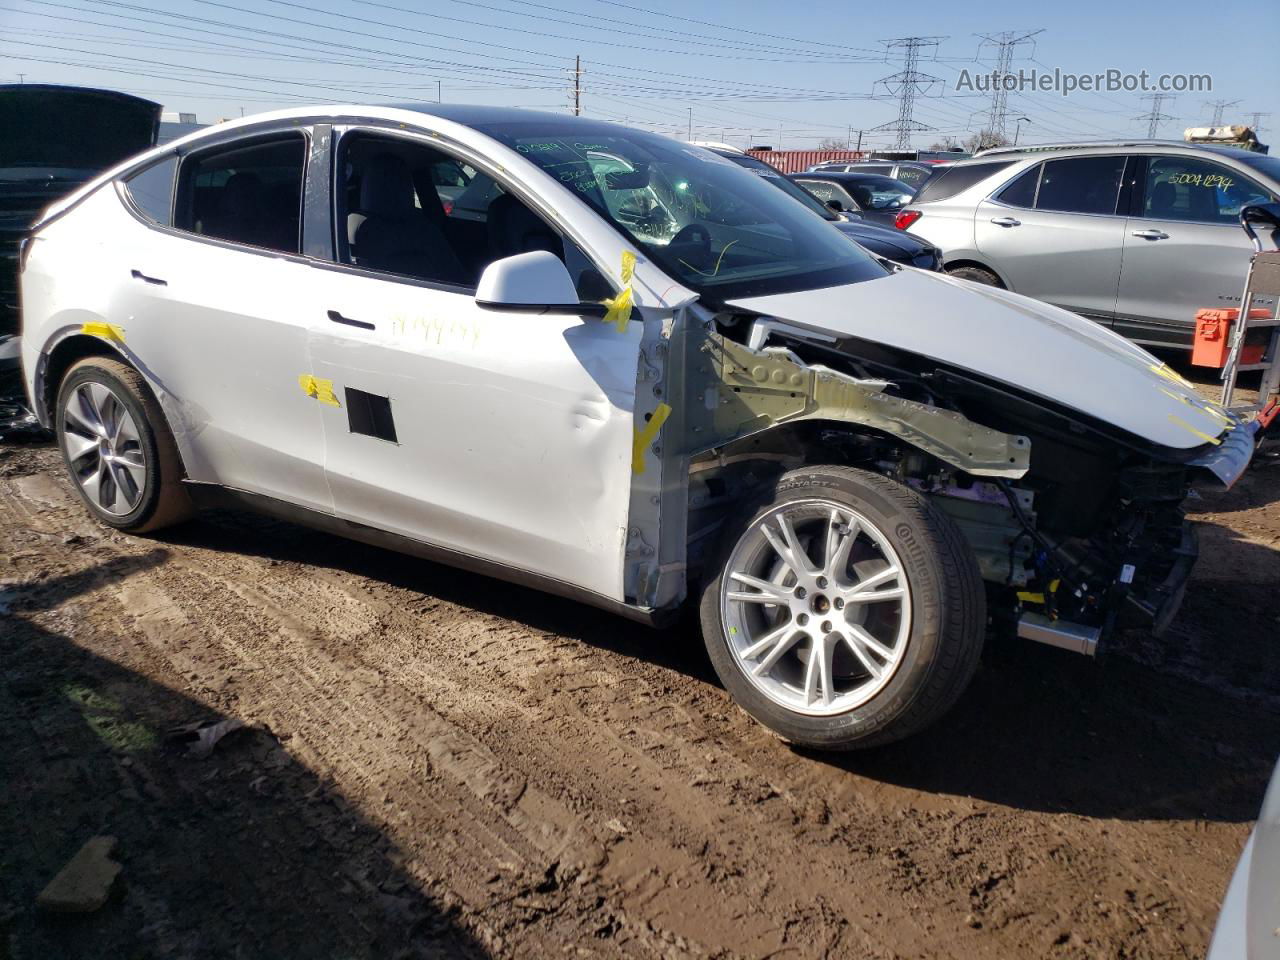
x=713 y=226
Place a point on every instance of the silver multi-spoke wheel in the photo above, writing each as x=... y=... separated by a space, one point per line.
x=816 y=607
x=103 y=448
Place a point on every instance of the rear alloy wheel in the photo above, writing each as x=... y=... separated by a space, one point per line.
x=117 y=447
x=848 y=611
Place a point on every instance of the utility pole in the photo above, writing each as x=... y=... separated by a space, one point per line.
x=690 y=136
x=1218 y=107
x=905 y=84
x=859 y=147
x=1154 y=117
x=1017 y=127
x=1006 y=45
x=1256 y=120
x=22 y=78
x=439 y=91
x=577 y=86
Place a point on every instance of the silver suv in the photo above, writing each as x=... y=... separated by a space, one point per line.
x=1136 y=235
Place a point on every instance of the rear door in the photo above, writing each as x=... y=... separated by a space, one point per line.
x=1054 y=234
x=215 y=288
x=1183 y=246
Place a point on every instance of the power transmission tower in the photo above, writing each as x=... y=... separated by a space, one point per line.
x=1006 y=44
x=1154 y=117
x=577 y=86
x=905 y=84
x=1256 y=120
x=1218 y=107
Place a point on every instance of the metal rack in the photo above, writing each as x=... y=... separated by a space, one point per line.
x=1262 y=282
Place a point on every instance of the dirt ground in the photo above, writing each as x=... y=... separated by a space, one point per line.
x=441 y=765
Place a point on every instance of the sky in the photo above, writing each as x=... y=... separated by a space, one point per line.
x=736 y=72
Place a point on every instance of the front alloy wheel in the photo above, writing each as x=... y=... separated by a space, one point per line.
x=817 y=607
x=845 y=611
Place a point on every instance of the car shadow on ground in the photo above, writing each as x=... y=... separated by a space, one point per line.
x=1039 y=729
x=245 y=853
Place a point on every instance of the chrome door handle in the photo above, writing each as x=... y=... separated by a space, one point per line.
x=1151 y=234
x=139 y=275
x=336 y=317
x=1006 y=222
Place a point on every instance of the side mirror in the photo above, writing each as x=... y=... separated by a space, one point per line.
x=534 y=282
x=835 y=205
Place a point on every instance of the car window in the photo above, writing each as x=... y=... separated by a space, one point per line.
x=1022 y=191
x=826 y=191
x=151 y=190
x=874 y=192
x=245 y=193
x=413 y=211
x=1187 y=188
x=955 y=180
x=1080 y=185
x=912 y=176
x=882 y=168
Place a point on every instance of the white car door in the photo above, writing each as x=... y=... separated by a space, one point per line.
x=504 y=436
x=211 y=305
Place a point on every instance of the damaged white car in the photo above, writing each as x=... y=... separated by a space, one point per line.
x=623 y=369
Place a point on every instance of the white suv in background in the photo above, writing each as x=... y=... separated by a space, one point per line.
x=1136 y=236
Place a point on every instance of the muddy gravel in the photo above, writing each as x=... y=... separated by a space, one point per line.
x=435 y=764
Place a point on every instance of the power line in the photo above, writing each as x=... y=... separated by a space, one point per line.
x=1006 y=44
x=1154 y=117
x=905 y=84
x=1218 y=107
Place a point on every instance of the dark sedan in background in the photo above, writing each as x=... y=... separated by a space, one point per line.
x=896 y=245
x=877 y=197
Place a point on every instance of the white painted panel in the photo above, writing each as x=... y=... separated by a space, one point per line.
x=1042 y=349
x=514 y=430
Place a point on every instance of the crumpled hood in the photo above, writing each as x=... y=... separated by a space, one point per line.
x=1024 y=343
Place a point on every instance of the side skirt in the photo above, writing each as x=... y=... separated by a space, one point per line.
x=208 y=496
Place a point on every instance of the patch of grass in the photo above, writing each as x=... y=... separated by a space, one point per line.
x=102 y=714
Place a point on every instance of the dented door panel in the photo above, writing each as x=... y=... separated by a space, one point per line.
x=513 y=431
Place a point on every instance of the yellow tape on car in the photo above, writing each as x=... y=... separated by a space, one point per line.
x=318 y=388
x=107 y=331
x=620 y=306
x=645 y=436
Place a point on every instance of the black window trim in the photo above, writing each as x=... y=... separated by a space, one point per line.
x=280 y=133
x=341 y=129
x=994 y=196
x=273 y=129
x=122 y=186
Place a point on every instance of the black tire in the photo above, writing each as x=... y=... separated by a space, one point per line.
x=976 y=274
x=948 y=613
x=163 y=501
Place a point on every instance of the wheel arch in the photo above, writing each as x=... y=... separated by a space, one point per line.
x=949 y=265
x=57 y=359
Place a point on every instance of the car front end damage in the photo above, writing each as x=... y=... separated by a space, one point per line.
x=1078 y=527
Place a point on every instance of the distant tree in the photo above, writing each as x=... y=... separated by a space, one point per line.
x=985 y=139
x=943 y=145
x=833 y=143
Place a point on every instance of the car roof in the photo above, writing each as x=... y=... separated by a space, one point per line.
x=1103 y=146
